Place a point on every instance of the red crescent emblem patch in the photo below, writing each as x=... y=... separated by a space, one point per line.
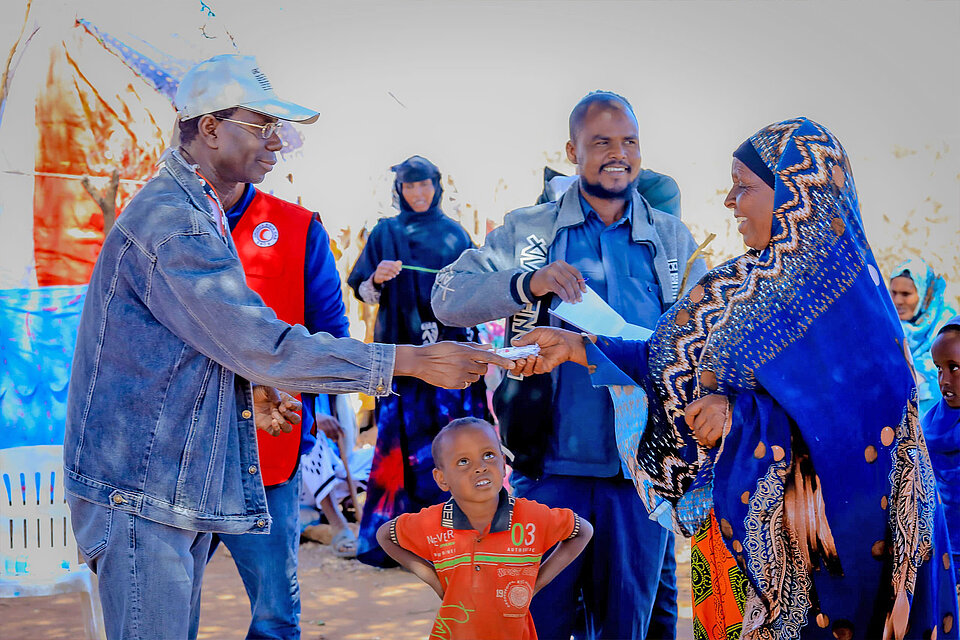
x=265 y=234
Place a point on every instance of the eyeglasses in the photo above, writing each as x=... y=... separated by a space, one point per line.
x=266 y=130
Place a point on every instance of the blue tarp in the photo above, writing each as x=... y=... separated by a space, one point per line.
x=38 y=333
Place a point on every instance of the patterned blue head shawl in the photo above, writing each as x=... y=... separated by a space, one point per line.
x=921 y=330
x=818 y=264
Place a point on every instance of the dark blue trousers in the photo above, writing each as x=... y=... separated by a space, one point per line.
x=624 y=585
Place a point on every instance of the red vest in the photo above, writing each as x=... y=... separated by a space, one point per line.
x=271 y=238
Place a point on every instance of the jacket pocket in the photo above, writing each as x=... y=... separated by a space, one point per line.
x=91 y=527
x=201 y=435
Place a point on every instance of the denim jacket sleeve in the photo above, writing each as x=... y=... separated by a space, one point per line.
x=197 y=289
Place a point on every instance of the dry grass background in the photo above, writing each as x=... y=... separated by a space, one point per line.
x=926 y=227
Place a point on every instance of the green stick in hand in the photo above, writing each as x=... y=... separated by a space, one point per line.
x=423 y=269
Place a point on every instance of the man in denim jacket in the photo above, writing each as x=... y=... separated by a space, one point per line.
x=601 y=233
x=160 y=447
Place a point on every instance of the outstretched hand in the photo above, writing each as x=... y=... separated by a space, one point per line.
x=451 y=365
x=707 y=417
x=275 y=411
x=556 y=347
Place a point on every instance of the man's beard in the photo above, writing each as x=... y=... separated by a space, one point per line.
x=597 y=190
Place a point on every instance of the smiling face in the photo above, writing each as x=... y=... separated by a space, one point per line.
x=470 y=465
x=242 y=155
x=606 y=150
x=419 y=195
x=905 y=296
x=751 y=200
x=946 y=356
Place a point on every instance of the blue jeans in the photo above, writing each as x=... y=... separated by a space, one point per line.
x=268 y=565
x=149 y=573
x=624 y=585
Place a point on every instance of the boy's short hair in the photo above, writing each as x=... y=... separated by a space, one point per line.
x=952 y=325
x=436 y=447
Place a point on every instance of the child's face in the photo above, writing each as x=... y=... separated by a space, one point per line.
x=472 y=466
x=946 y=355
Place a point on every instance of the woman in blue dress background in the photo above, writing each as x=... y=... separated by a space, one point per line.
x=919 y=294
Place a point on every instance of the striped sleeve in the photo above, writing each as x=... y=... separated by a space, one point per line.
x=408 y=530
x=576 y=528
x=520 y=288
x=393 y=532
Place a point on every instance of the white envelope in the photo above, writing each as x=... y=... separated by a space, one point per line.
x=595 y=316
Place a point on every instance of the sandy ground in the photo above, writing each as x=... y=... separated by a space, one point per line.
x=342 y=600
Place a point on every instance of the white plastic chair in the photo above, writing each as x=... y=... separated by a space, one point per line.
x=38 y=553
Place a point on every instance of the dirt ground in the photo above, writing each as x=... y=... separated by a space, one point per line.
x=342 y=600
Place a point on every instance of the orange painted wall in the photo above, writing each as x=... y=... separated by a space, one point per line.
x=82 y=116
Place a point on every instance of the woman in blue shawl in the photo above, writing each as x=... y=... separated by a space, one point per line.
x=821 y=483
x=919 y=295
x=396 y=270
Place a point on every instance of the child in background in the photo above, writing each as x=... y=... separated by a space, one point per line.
x=941 y=428
x=481 y=549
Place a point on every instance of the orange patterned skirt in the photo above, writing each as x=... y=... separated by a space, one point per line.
x=719 y=587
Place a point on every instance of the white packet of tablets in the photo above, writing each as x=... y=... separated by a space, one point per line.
x=516 y=353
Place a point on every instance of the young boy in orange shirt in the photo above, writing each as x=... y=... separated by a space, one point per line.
x=481 y=549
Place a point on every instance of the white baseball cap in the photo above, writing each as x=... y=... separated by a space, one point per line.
x=227 y=81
